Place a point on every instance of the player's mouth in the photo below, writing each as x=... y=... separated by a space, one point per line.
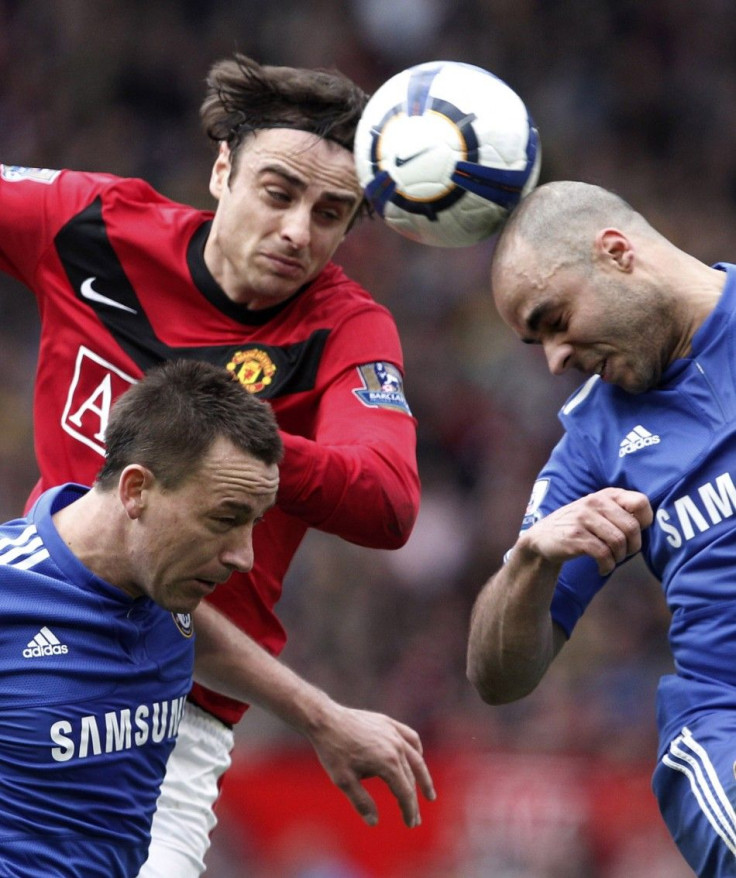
x=207 y=585
x=286 y=266
x=600 y=370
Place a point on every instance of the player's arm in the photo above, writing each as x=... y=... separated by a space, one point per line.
x=356 y=476
x=351 y=744
x=513 y=639
x=362 y=486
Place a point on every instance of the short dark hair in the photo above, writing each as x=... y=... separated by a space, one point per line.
x=170 y=419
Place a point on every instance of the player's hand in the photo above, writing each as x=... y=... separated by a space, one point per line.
x=356 y=744
x=606 y=525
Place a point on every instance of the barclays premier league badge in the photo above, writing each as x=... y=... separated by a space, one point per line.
x=16 y=173
x=539 y=492
x=382 y=387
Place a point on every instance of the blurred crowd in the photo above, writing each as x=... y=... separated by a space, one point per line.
x=639 y=97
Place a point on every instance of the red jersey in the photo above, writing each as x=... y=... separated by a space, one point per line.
x=121 y=283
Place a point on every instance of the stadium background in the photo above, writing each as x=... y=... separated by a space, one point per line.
x=639 y=97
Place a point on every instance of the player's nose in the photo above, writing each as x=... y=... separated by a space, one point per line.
x=238 y=553
x=296 y=226
x=559 y=355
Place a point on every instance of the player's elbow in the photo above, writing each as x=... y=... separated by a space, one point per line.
x=485 y=685
x=492 y=683
x=395 y=514
x=403 y=517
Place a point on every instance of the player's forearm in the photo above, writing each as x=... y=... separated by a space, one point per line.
x=231 y=663
x=512 y=639
x=366 y=493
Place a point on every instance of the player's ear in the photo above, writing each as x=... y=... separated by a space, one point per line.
x=133 y=487
x=220 y=171
x=614 y=247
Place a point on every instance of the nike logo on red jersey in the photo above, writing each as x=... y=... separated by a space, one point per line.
x=88 y=292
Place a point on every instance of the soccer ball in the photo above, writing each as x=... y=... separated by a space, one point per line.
x=444 y=151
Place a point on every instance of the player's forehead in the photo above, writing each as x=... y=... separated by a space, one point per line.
x=305 y=157
x=516 y=285
x=228 y=474
x=527 y=288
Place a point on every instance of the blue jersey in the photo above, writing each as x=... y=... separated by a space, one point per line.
x=677 y=445
x=92 y=686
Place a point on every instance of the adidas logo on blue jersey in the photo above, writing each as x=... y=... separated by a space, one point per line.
x=44 y=643
x=637 y=439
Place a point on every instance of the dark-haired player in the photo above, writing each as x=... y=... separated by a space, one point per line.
x=125 y=279
x=96 y=645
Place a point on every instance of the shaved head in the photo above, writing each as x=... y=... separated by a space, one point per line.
x=578 y=270
x=554 y=229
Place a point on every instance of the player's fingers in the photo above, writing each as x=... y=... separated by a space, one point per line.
x=630 y=516
x=421 y=774
x=399 y=777
x=638 y=505
x=415 y=761
x=611 y=519
x=361 y=799
x=409 y=735
x=613 y=545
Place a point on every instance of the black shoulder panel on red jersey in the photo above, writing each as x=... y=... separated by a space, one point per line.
x=99 y=281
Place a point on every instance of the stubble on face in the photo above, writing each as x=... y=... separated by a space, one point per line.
x=196 y=535
x=625 y=331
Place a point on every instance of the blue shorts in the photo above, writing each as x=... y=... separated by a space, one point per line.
x=695 y=786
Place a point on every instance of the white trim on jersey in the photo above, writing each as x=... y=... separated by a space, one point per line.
x=28 y=547
x=691 y=758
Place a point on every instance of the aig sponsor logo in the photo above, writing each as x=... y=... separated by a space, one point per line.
x=95 y=386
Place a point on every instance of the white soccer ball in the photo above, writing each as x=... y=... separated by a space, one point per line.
x=444 y=151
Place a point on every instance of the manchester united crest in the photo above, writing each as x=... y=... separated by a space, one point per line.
x=253 y=368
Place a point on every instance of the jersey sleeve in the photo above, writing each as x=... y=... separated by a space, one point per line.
x=357 y=478
x=567 y=476
x=34 y=204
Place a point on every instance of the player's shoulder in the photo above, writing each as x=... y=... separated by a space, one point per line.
x=54 y=177
x=14 y=530
x=131 y=203
x=595 y=407
x=71 y=187
x=335 y=291
x=582 y=402
x=114 y=187
x=131 y=190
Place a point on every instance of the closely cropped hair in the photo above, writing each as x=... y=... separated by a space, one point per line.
x=170 y=419
x=243 y=96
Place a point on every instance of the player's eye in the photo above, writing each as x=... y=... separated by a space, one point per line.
x=277 y=194
x=332 y=216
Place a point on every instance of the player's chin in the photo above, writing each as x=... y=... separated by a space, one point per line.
x=636 y=384
x=188 y=598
